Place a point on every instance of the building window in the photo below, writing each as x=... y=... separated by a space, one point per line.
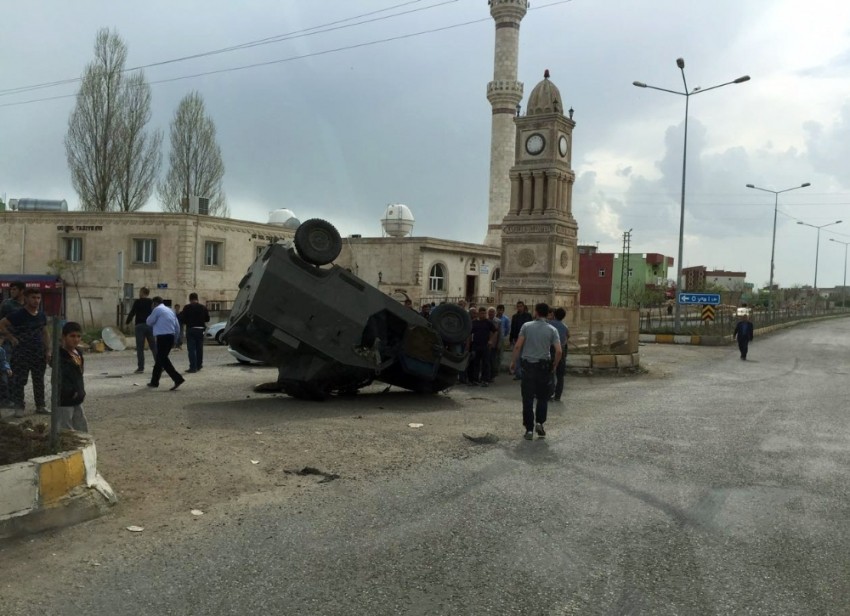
x=630 y=272
x=213 y=253
x=72 y=249
x=260 y=249
x=144 y=250
x=437 y=278
x=497 y=273
x=602 y=272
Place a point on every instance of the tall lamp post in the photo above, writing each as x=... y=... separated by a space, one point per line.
x=773 y=243
x=843 y=286
x=680 y=62
x=817 y=250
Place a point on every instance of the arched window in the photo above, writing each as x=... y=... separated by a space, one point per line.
x=437 y=278
x=497 y=273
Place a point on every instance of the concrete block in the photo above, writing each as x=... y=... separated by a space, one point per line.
x=683 y=339
x=578 y=361
x=18 y=489
x=646 y=337
x=604 y=361
x=664 y=338
x=624 y=361
x=59 y=475
x=635 y=359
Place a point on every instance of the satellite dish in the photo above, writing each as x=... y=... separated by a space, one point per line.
x=113 y=339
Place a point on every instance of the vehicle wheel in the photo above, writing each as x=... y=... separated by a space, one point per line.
x=218 y=337
x=317 y=241
x=452 y=323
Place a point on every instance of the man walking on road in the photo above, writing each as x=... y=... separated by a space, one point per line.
x=517 y=321
x=538 y=351
x=195 y=317
x=743 y=333
x=165 y=327
x=141 y=310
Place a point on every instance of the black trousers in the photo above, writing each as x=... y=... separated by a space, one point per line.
x=26 y=361
x=480 y=371
x=163 y=348
x=535 y=385
x=560 y=371
x=743 y=345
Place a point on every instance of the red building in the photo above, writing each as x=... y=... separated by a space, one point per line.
x=594 y=276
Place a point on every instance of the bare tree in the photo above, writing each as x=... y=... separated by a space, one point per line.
x=195 y=165
x=140 y=153
x=113 y=163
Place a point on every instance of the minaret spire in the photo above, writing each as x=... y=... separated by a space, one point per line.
x=504 y=94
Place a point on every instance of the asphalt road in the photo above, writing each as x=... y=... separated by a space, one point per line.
x=709 y=486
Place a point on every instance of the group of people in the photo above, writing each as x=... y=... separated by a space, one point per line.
x=26 y=352
x=539 y=354
x=162 y=329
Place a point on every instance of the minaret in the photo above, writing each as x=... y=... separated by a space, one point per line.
x=504 y=94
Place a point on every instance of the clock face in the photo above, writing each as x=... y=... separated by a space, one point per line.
x=562 y=145
x=535 y=144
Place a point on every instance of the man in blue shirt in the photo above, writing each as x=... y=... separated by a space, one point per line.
x=165 y=329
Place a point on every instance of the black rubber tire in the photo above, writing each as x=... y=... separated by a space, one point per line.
x=452 y=323
x=218 y=337
x=317 y=241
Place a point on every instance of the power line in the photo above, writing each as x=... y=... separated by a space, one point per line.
x=320 y=29
x=298 y=57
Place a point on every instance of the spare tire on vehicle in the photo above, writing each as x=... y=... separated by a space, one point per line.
x=317 y=241
x=452 y=323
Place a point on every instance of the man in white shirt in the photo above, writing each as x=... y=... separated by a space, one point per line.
x=165 y=327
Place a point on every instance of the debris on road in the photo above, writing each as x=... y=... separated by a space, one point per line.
x=415 y=425
x=309 y=470
x=135 y=529
x=196 y=512
x=485 y=439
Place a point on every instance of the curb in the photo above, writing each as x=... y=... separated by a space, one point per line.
x=721 y=340
x=52 y=492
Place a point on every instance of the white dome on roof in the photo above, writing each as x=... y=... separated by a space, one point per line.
x=398 y=220
x=284 y=218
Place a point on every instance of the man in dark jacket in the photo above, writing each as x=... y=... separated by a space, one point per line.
x=743 y=333
x=141 y=310
x=195 y=317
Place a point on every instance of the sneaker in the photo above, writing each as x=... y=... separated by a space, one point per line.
x=191 y=371
x=529 y=436
x=42 y=410
x=540 y=431
x=178 y=384
x=140 y=370
x=556 y=398
x=153 y=384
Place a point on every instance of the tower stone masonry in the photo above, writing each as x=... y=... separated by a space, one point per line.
x=504 y=94
x=539 y=233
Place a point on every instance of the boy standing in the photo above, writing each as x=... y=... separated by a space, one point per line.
x=72 y=389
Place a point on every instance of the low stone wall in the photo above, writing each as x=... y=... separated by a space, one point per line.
x=52 y=491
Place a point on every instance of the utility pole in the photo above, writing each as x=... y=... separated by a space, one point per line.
x=624 y=269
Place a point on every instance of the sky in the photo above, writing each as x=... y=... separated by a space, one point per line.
x=371 y=102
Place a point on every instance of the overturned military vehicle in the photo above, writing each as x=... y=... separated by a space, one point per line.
x=328 y=331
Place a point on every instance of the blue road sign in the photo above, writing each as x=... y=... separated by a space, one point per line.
x=712 y=299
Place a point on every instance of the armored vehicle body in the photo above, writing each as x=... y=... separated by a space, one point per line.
x=327 y=331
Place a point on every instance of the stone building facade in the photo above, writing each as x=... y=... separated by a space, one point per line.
x=424 y=269
x=106 y=257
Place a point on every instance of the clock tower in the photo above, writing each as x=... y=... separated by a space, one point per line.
x=539 y=233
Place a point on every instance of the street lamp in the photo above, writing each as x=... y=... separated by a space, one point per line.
x=817 y=249
x=773 y=243
x=680 y=62
x=843 y=286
